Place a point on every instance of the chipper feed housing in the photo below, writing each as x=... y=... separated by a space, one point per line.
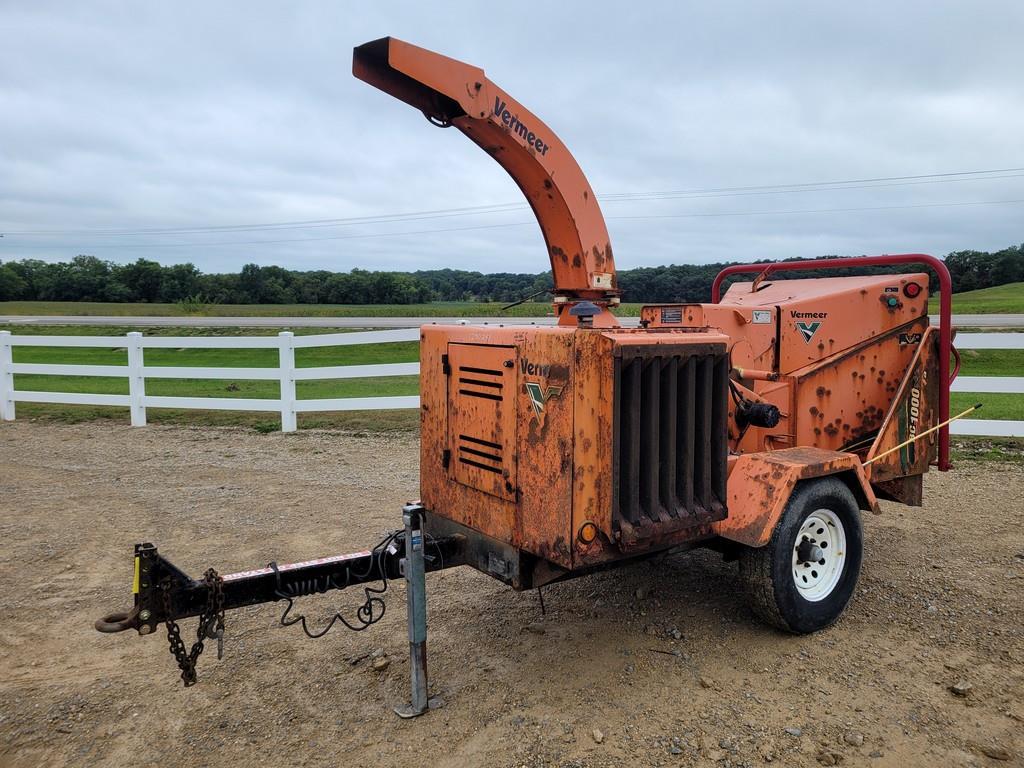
x=759 y=424
x=572 y=447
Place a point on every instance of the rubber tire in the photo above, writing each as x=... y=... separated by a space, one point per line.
x=766 y=571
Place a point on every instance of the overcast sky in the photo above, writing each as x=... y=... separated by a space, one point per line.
x=128 y=116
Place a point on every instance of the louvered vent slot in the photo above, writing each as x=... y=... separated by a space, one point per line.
x=670 y=438
x=482 y=454
x=480 y=382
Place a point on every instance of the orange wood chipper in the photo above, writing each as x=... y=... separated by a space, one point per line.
x=760 y=424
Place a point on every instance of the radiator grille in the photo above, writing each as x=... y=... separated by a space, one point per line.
x=670 y=438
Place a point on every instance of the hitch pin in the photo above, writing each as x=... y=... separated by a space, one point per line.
x=218 y=635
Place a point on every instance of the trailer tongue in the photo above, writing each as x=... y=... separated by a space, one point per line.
x=164 y=595
x=760 y=424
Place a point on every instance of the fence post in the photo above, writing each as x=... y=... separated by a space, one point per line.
x=286 y=365
x=136 y=380
x=6 y=377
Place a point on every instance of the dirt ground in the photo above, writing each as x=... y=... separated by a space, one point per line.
x=658 y=663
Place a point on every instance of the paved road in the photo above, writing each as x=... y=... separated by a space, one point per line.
x=963 y=321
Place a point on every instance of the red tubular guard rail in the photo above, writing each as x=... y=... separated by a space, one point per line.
x=945 y=311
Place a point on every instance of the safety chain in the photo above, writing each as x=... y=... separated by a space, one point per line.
x=211 y=625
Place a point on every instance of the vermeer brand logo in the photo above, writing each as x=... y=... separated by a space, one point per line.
x=534 y=369
x=506 y=117
x=910 y=338
x=807 y=330
x=539 y=397
x=801 y=315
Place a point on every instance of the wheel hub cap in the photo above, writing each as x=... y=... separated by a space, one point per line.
x=809 y=553
x=819 y=555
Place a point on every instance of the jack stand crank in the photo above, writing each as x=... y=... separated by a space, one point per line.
x=416 y=597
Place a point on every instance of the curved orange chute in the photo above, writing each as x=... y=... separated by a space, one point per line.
x=450 y=92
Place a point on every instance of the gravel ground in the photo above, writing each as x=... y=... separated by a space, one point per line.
x=658 y=663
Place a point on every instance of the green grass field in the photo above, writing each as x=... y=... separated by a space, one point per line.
x=1003 y=299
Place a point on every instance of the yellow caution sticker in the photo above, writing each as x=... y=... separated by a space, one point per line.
x=135 y=580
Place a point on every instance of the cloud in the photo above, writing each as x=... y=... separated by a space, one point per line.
x=143 y=116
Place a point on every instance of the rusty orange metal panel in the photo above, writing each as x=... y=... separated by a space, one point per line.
x=545 y=411
x=820 y=317
x=533 y=424
x=482 y=417
x=593 y=400
x=760 y=485
x=750 y=330
x=914 y=409
x=845 y=398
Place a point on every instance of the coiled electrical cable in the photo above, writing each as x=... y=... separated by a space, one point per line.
x=369 y=613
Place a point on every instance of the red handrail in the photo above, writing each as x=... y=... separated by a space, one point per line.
x=945 y=311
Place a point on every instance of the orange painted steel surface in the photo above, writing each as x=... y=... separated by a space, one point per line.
x=542 y=481
x=450 y=92
x=914 y=408
x=830 y=353
x=946 y=349
x=760 y=485
x=574 y=446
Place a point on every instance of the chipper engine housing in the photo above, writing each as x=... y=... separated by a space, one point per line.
x=760 y=423
x=567 y=448
x=573 y=447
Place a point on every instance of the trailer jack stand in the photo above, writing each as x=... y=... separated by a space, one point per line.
x=412 y=566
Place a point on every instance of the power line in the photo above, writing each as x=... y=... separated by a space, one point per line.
x=818 y=210
x=844 y=181
x=694 y=196
x=526 y=223
x=817 y=186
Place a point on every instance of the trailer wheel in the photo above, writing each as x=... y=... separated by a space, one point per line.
x=803 y=578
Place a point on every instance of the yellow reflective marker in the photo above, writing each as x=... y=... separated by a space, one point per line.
x=135 y=581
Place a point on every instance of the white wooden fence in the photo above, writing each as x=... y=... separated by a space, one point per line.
x=286 y=373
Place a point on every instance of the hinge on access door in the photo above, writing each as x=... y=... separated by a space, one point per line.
x=446 y=367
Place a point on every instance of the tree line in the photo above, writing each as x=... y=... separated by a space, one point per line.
x=87 y=278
